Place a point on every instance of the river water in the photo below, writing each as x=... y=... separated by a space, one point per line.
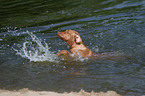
x=29 y=42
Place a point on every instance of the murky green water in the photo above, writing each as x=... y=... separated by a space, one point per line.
x=116 y=26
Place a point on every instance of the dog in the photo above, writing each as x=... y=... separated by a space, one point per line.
x=76 y=44
x=78 y=48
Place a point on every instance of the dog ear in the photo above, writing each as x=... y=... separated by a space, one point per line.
x=78 y=39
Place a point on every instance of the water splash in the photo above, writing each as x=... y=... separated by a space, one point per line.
x=36 y=50
x=79 y=57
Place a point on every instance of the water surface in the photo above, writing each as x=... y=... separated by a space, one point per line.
x=105 y=26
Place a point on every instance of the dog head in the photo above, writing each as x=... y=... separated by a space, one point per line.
x=71 y=37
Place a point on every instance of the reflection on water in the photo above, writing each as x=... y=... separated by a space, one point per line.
x=104 y=25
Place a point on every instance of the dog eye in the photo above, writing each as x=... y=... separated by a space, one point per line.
x=67 y=32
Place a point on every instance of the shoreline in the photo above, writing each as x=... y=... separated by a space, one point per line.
x=27 y=92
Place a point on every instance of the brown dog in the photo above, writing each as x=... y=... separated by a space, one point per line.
x=78 y=48
x=76 y=44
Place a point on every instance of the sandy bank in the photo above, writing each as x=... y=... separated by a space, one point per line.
x=26 y=92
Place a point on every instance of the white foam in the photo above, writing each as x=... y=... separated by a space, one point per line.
x=79 y=57
x=36 y=50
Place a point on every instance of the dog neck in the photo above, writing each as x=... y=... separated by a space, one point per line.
x=77 y=46
x=70 y=43
x=73 y=44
